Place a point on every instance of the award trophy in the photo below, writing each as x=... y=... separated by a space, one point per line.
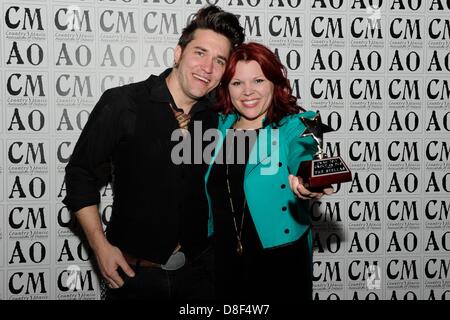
x=322 y=171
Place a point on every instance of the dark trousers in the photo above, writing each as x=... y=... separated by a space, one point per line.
x=194 y=281
x=283 y=273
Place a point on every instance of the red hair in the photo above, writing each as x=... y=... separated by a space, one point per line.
x=283 y=103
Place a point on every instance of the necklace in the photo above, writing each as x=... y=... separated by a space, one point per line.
x=182 y=118
x=239 y=247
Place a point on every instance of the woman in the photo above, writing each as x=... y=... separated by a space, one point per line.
x=262 y=231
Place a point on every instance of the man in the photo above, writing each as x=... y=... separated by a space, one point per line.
x=156 y=243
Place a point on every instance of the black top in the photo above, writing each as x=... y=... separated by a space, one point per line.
x=224 y=229
x=282 y=272
x=128 y=139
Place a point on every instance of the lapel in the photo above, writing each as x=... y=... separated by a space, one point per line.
x=262 y=149
x=266 y=150
x=225 y=122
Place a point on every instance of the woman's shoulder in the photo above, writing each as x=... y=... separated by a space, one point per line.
x=294 y=119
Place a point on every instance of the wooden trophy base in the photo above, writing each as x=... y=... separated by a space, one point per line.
x=319 y=173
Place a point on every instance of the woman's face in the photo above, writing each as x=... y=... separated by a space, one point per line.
x=250 y=91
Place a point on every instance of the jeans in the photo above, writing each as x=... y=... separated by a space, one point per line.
x=193 y=281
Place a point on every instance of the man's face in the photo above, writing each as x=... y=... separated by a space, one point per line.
x=202 y=63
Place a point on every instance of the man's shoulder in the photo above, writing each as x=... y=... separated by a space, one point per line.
x=128 y=90
x=127 y=96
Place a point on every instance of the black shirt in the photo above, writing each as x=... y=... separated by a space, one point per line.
x=225 y=230
x=128 y=139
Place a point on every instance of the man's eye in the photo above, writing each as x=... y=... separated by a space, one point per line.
x=200 y=53
x=220 y=62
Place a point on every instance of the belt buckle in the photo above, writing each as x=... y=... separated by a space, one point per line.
x=175 y=261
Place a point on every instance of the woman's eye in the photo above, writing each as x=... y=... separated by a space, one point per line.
x=259 y=80
x=235 y=83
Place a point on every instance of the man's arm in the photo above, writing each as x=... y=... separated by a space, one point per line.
x=109 y=257
x=88 y=170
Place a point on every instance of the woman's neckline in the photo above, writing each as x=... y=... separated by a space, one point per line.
x=246 y=129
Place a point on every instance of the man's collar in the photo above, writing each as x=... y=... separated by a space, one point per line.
x=158 y=88
x=160 y=92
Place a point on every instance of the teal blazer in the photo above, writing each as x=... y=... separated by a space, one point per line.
x=280 y=217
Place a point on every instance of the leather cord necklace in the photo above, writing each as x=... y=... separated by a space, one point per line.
x=182 y=118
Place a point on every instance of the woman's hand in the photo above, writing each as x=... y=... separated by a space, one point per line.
x=300 y=189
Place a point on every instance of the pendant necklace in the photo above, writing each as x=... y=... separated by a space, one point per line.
x=239 y=247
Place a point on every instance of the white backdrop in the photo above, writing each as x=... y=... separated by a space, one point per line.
x=378 y=71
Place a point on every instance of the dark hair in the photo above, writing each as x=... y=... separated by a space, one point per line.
x=283 y=103
x=214 y=18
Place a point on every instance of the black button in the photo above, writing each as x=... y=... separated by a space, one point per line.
x=283 y=186
x=286 y=231
x=284 y=208
x=280 y=164
x=274 y=142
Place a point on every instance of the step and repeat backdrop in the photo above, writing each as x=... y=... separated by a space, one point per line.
x=378 y=71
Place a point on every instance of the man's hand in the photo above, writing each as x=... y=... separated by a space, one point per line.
x=301 y=190
x=109 y=259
